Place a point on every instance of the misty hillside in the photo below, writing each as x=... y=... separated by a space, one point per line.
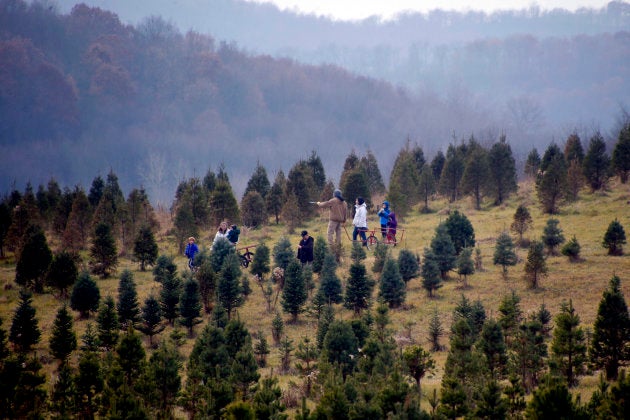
x=83 y=92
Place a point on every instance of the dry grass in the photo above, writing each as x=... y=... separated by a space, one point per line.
x=582 y=282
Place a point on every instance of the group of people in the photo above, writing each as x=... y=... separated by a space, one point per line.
x=231 y=234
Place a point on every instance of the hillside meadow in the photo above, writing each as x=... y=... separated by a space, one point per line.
x=582 y=282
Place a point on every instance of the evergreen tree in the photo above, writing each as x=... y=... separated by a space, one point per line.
x=291 y=213
x=163 y=371
x=282 y=253
x=489 y=404
x=85 y=295
x=392 y=287
x=131 y=356
x=431 y=276
x=568 y=347
x=572 y=249
x=107 y=323
x=164 y=267
x=408 y=264
x=551 y=183
x=621 y=154
x=465 y=265
x=403 y=181
x=128 y=306
x=277 y=328
x=96 y=191
x=437 y=164
x=418 y=362
x=207 y=279
x=340 y=346
x=320 y=249
x=5 y=222
x=329 y=284
x=77 y=229
x=223 y=204
x=356 y=185
x=351 y=164
x=326 y=317
x=221 y=248
x=274 y=199
x=63 y=340
x=184 y=224
x=535 y=265
x=145 y=247
x=314 y=163
x=301 y=185
x=532 y=163
x=443 y=251
x=294 y=291
x=492 y=344
x=29 y=400
x=151 y=324
x=62 y=398
x=453 y=403
x=103 y=253
x=510 y=317
x=62 y=273
x=25 y=332
x=427 y=187
x=260 y=264
x=614 y=238
x=253 y=210
x=596 y=165
x=373 y=173
x=169 y=297
x=573 y=150
x=261 y=350
x=89 y=383
x=229 y=291
x=529 y=351
x=190 y=305
x=522 y=222
x=33 y=260
x=552 y=236
x=358 y=287
x=611 y=331
x=504 y=254
x=436 y=331
x=449 y=179
x=575 y=180
x=502 y=171
x=460 y=230
x=476 y=174
x=258 y=182
x=553 y=400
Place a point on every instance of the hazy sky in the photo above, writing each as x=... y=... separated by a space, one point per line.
x=359 y=9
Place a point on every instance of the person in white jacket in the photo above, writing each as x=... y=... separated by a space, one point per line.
x=360 y=221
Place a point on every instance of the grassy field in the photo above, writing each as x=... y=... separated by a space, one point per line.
x=582 y=282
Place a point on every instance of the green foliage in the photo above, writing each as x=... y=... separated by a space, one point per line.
x=329 y=283
x=145 y=247
x=373 y=173
x=476 y=174
x=274 y=199
x=85 y=295
x=408 y=264
x=553 y=400
x=223 y=204
x=190 y=305
x=107 y=324
x=151 y=318
x=25 y=332
x=33 y=260
x=380 y=256
x=427 y=187
x=452 y=171
x=356 y=185
x=465 y=265
x=229 y=291
x=277 y=328
x=282 y=253
x=169 y=297
x=404 y=179
x=596 y=166
x=551 y=182
x=62 y=273
x=300 y=183
x=504 y=254
x=621 y=154
x=418 y=362
x=392 y=287
x=614 y=238
x=460 y=230
x=253 y=210
x=431 y=278
x=221 y=249
x=340 y=346
x=128 y=306
x=532 y=163
x=63 y=340
x=535 y=265
x=103 y=253
x=568 y=347
x=131 y=355
x=502 y=171
x=492 y=344
x=436 y=331
x=571 y=249
x=294 y=291
x=320 y=249
x=443 y=251
x=611 y=331
x=164 y=267
x=522 y=222
x=552 y=236
x=358 y=288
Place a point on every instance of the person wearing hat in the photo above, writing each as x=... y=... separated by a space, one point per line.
x=337 y=217
x=360 y=221
x=383 y=213
x=305 y=248
x=191 y=251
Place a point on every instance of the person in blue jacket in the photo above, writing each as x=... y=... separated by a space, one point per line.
x=383 y=213
x=191 y=251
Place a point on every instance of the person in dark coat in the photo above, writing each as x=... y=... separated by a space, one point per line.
x=305 y=249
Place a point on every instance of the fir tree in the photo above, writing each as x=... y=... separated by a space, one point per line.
x=552 y=236
x=103 y=253
x=408 y=264
x=436 y=331
x=33 y=260
x=151 y=324
x=253 y=210
x=489 y=404
x=329 y=284
x=221 y=248
x=476 y=174
x=465 y=265
x=107 y=324
x=261 y=350
x=207 y=279
x=275 y=196
x=403 y=181
x=621 y=154
x=532 y=163
x=164 y=372
x=145 y=247
x=85 y=295
x=229 y=291
x=320 y=249
x=358 y=287
x=437 y=165
x=573 y=150
x=77 y=229
x=521 y=223
x=431 y=278
x=381 y=253
x=551 y=184
x=427 y=187
x=568 y=347
x=62 y=398
x=492 y=344
x=535 y=265
x=294 y=291
x=418 y=362
x=460 y=230
x=373 y=173
x=443 y=250
x=504 y=254
x=356 y=185
x=128 y=306
x=25 y=332
x=510 y=317
x=62 y=273
x=611 y=331
x=190 y=305
x=572 y=249
x=392 y=286
x=131 y=356
x=169 y=297
x=282 y=253
x=63 y=340
x=277 y=328
x=452 y=172
x=614 y=238
x=326 y=317
x=301 y=185
x=596 y=165
x=553 y=400
x=529 y=351
x=258 y=182
x=164 y=267
x=89 y=383
x=502 y=171
x=340 y=346
x=29 y=400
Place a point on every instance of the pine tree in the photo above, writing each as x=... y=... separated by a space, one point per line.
x=521 y=223
x=408 y=264
x=62 y=398
x=502 y=171
x=294 y=291
x=596 y=165
x=62 y=273
x=145 y=247
x=164 y=267
x=465 y=265
x=611 y=331
x=436 y=331
x=443 y=250
x=504 y=254
x=535 y=265
x=258 y=182
x=190 y=305
x=33 y=260
x=373 y=173
x=85 y=295
x=329 y=284
x=163 y=371
x=151 y=324
x=553 y=400
x=128 y=306
x=260 y=264
x=63 y=340
x=476 y=174
x=532 y=163
x=207 y=279
x=320 y=249
x=418 y=362
x=131 y=356
x=529 y=351
x=621 y=154
x=77 y=229
x=25 y=332
x=431 y=276
x=229 y=291
x=103 y=253
x=551 y=184
x=29 y=400
x=291 y=213
x=510 y=317
x=572 y=249
x=340 y=346
x=492 y=344
x=358 y=288
x=253 y=210
x=392 y=287
x=460 y=230
x=552 y=236
x=274 y=199
x=614 y=238
x=427 y=187
x=169 y=297
x=107 y=324
x=326 y=317
x=282 y=253
x=568 y=347
x=575 y=180
x=356 y=185
x=221 y=248
x=89 y=383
